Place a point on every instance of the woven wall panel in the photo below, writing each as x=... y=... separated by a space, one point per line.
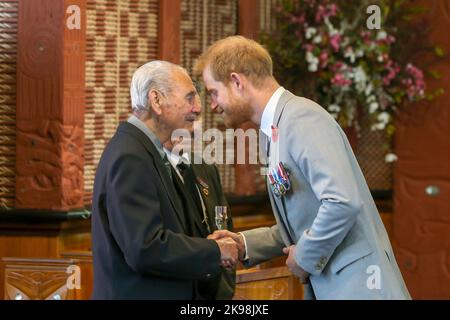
x=121 y=36
x=8 y=49
x=202 y=23
x=371 y=151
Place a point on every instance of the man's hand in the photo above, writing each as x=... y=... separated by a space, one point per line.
x=228 y=252
x=237 y=237
x=293 y=266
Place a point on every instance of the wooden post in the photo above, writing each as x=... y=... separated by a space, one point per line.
x=248 y=27
x=50 y=104
x=169 y=30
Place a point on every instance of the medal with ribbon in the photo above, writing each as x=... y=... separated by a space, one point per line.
x=279 y=180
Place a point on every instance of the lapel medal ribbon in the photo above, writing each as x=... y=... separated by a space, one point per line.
x=279 y=180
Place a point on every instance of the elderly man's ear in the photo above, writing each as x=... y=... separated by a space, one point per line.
x=155 y=101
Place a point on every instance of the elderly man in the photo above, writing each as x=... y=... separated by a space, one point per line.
x=327 y=221
x=142 y=237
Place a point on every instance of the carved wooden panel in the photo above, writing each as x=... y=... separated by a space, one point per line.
x=422 y=178
x=267 y=284
x=84 y=259
x=35 y=279
x=49 y=165
x=50 y=106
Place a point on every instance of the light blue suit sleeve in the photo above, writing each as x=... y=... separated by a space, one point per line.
x=319 y=148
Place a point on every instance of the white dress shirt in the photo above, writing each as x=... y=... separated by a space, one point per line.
x=269 y=112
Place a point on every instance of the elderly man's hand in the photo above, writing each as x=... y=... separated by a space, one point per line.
x=237 y=237
x=228 y=252
x=293 y=266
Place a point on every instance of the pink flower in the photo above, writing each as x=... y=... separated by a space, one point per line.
x=367 y=37
x=340 y=81
x=335 y=42
x=333 y=9
x=415 y=86
x=337 y=66
x=393 y=69
x=414 y=71
x=324 y=12
x=308 y=47
x=323 y=58
x=321 y=12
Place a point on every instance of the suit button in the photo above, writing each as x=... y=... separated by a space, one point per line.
x=323 y=260
x=208 y=275
x=318 y=266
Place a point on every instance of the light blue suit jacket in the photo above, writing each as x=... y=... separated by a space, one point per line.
x=329 y=212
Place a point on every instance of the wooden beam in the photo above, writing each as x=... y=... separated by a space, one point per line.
x=50 y=104
x=169 y=30
x=248 y=27
x=249 y=18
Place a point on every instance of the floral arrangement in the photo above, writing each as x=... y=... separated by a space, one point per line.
x=324 y=50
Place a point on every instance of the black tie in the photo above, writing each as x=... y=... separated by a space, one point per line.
x=189 y=181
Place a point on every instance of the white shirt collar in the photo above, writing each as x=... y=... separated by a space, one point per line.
x=175 y=159
x=269 y=112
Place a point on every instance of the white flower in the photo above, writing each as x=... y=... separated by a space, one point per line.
x=368 y=91
x=350 y=55
x=313 y=62
x=334 y=108
x=373 y=107
x=391 y=157
x=359 y=53
x=381 y=35
x=359 y=74
x=309 y=32
x=380 y=59
x=331 y=30
x=378 y=126
x=312 y=67
x=317 y=39
x=310 y=58
x=384 y=117
x=371 y=98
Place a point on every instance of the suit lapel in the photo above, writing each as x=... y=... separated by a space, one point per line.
x=273 y=154
x=160 y=168
x=193 y=216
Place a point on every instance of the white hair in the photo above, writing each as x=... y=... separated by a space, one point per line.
x=155 y=75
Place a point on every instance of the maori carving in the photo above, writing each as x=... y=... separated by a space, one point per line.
x=50 y=168
x=50 y=107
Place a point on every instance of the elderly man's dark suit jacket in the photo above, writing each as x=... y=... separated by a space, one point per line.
x=140 y=248
x=208 y=182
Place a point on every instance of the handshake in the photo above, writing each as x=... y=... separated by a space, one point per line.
x=231 y=245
